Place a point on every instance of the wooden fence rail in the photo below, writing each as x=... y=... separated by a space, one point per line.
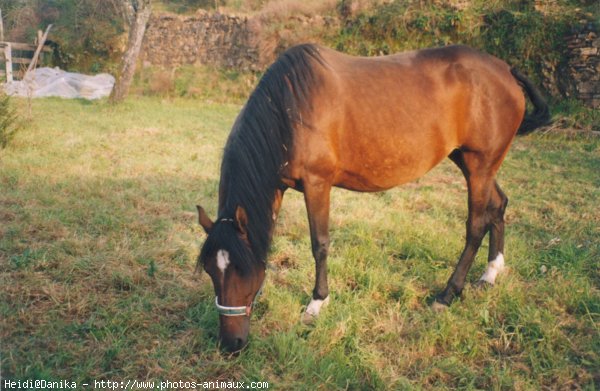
x=15 y=57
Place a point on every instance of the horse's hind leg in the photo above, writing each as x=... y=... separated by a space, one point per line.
x=496 y=209
x=317 y=197
x=481 y=185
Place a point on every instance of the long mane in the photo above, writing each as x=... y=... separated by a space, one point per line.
x=260 y=143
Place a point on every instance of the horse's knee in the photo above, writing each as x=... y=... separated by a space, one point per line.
x=477 y=227
x=320 y=249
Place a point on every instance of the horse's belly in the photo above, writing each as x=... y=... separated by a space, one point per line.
x=379 y=148
x=384 y=173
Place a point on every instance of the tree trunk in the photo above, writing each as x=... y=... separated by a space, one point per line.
x=142 y=10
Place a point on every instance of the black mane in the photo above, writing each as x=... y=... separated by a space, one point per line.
x=257 y=149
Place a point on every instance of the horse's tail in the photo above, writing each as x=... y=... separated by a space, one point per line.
x=541 y=113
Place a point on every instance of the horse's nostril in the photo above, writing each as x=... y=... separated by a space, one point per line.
x=233 y=345
x=239 y=343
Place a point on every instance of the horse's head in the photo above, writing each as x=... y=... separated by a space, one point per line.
x=237 y=277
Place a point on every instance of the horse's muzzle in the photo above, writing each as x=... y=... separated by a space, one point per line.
x=233 y=334
x=233 y=343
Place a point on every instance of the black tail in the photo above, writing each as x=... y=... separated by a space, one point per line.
x=541 y=113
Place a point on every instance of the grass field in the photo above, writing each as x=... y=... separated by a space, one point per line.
x=98 y=241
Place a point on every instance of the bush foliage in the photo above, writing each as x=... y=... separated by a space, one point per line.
x=512 y=30
x=87 y=35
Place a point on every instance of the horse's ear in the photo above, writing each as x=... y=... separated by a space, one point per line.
x=241 y=220
x=204 y=220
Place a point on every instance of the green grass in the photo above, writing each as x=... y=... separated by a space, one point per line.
x=572 y=113
x=206 y=83
x=99 y=238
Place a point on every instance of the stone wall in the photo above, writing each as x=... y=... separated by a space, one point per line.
x=205 y=38
x=584 y=65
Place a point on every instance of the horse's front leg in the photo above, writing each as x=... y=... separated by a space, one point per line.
x=316 y=197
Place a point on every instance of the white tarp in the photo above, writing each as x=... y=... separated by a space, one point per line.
x=43 y=82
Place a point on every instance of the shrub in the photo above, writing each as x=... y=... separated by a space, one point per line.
x=87 y=35
x=512 y=30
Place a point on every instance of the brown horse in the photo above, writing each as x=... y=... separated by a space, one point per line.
x=319 y=118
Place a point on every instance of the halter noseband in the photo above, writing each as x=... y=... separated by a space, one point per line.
x=233 y=311
x=238 y=311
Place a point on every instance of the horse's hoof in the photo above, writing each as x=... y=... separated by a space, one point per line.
x=483 y=285
x=308 y=319
x=312 y=311
x=438 y=307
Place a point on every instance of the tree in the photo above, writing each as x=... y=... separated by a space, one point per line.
x=136 y=14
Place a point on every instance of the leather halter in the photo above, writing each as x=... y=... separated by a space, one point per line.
x=241 y=310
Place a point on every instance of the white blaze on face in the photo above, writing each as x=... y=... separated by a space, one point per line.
x=493 y=269
x=314 y=307
x=222 y=260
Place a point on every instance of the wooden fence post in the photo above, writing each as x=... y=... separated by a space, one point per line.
x=8 y=60
x=39 y=48
x=1 y=27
